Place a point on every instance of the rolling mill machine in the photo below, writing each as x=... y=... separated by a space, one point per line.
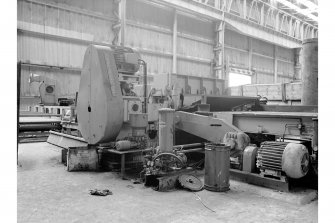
x=271 y=150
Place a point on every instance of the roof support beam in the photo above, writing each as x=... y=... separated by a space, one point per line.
x=275 y=68
x=194 y=8
x=122 y=12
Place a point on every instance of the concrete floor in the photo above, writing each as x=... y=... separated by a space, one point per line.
x=48 y=193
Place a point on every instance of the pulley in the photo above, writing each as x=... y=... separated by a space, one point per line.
x=190 y=182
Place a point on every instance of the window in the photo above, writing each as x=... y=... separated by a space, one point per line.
x=236 y=79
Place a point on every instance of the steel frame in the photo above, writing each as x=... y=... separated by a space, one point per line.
x=267 y=16
x=274 y=123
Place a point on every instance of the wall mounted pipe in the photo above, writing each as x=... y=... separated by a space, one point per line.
x=145 y=84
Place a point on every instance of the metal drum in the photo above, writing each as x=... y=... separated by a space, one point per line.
x=166 y=129
x=217 y=164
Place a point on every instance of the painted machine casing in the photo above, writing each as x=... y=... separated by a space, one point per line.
x=100 y=104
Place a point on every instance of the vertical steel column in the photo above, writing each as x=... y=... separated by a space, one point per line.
x=262 y=16
x=310 y=72
x=275 y=68
x=18 y=108
x=223 y=73
x=302 y=31
x=245 y=9
x=219 y=69
x=175 y=93
x=250 y=53
x=227 y=63
x=217 y=49
x=123 y=18
x=297 y=65
x=277 y=23
x=174 y=43
x=116 y=27
x=290 y=26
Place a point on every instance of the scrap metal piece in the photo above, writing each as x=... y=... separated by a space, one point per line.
x=190 y=182
x=101 y=192
x=169 y=161
x=168 y=182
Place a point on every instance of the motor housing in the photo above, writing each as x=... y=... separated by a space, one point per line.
x=275 y=158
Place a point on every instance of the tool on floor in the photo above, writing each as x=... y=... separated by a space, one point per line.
x=101 y=192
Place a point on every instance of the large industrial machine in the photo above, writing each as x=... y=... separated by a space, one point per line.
x=48 y=89
x=108 y=110
x=35 y=123
x=271 y=150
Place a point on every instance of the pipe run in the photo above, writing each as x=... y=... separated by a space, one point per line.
x=189 y=146
x=145 y=84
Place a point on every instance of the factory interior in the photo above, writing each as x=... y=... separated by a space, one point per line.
x=168 y=110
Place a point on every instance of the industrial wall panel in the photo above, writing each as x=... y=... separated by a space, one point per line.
x=38 y=14
x=236 y=40
x=188 y=47
x=149 y=14
x=195 y=85
x=77 y=52
x=51 y=51
x=262 y=47
x=209 y=85
x=285 y=53
x=103 y=7
x=32 y=49
x=197 y=27
x=284 y=79
x=181 y=82
x=150 y=29
x=193 y=68
x=20 y=11
x=263 y=78
x=237 y=46
x=51 y=21
x=96 y=29
x=156 y=64
x=148 y=39
x=237 y=58
x=263 y=63
x=286 y=69
x=26 y=12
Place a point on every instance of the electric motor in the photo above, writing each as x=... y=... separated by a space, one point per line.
x=126 y=60
x=276 y=157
